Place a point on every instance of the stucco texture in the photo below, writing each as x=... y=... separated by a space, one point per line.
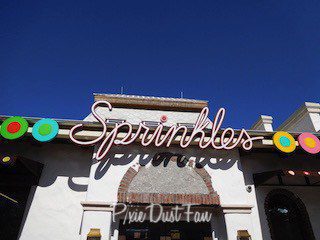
x=169 y=179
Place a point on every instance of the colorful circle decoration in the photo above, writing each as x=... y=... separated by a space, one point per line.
x=284 y=142
x=45 y=130
x=14 y=127
x=309 y=142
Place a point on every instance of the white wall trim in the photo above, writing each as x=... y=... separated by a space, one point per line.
x=97 y=206
x=236 y=209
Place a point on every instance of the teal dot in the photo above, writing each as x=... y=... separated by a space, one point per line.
x=284 y=141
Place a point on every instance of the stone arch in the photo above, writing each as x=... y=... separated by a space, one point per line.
x=207 y=195
x=305 y=221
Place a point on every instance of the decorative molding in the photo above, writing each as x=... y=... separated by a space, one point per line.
x=157 y=103
x=262 y=122
x=236 y=209
x=97 y=206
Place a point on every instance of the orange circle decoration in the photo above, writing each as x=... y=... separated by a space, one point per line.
x=309 y=142
x=284 y=141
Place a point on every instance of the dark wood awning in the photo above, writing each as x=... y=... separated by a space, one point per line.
x=287 y=178
x=19 y=171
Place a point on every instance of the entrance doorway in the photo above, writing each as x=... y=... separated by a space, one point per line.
x=165 y=231
x=287 y=216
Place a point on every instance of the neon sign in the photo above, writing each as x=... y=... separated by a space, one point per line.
x=46 y=130
x=227 y=139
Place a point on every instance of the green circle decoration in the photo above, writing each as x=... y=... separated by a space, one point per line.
x=20 y=127
x=44 y=129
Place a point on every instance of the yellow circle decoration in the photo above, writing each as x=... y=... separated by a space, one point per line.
x=284 y=141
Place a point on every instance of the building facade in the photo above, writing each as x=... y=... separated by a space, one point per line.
x=70 y=189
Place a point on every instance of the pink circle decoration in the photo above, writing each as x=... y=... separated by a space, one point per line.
x=164 y=118
x=309 y=142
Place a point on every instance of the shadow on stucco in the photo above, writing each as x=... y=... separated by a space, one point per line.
x=165 y=157
x=67 y=163
x=120 y=156
x=74 y=162
x=220 y=163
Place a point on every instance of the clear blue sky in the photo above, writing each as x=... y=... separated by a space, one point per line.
x=251 y=57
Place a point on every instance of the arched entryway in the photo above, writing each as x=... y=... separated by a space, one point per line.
x=169 y=181
x=287 y=216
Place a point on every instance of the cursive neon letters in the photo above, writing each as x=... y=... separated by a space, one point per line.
x=227 y=139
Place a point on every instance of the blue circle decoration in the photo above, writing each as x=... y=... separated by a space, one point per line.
x=45 y=130
x=284 y=141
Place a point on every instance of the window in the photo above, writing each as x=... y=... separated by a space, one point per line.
x=287 y=217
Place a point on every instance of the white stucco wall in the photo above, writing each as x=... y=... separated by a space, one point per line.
x=56 y=213
x=224 y=168
x=53 y=209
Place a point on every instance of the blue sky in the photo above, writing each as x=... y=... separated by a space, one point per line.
x=251 y=57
